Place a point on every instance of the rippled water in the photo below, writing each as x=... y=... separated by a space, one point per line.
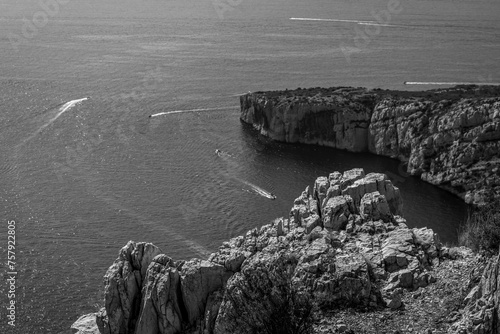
x=83 y=182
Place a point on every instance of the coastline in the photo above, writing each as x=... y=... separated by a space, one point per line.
x=449 y=137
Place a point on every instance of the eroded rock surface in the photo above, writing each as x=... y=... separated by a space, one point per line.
x=481 y=313
x=123 y=283
x=455 y=144
x=86 y=324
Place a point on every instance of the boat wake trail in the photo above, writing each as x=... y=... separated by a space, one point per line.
x=249 y=92
x=223 y=154
x=259 y=190
x=233 y=165
x=368 y=23
x=451 y=83
x=65 y=107
x=191 y=110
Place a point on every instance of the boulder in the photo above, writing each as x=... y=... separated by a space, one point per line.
x=337 y=211
x=86 y=324
x=376 y=182
x=374 y=206
x=398 y=250
x=351 y=176
x=400 y=279
x=393 y=299
x=428 y=241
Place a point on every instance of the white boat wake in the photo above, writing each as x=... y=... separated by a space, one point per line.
x=191 y=110
x=65 y=107
x=259 y=190
x=368 y=23
x=373 y=23
x=450 y=83
x=229 y=159
x=249 y=92
x=327 y=20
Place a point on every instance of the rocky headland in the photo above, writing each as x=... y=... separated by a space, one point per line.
x=344 y=261
x=449 y=137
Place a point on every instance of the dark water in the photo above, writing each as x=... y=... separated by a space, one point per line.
x=81 y=183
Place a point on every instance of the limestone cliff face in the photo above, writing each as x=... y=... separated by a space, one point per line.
x=449 y=137
x=341 y=120
x=344 y=244
x=453 y=144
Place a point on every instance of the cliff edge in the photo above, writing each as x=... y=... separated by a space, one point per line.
x=343 y=247
x=448 y=137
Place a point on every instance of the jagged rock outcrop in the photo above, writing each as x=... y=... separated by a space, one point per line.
x=481 y=314
x=123 y=283
x=344 y=244
x=160 y=303
x=449 y=137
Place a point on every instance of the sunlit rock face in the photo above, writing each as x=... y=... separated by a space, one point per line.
x=338 y=120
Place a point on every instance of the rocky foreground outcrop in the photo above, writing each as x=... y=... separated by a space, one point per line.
x=344 y=245
x=449 y=137
x=481 y=312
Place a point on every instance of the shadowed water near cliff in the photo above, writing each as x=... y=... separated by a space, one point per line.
x=321 y=161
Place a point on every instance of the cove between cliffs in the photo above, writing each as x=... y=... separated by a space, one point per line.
x=448 y=137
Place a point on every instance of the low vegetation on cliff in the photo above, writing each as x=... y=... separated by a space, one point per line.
x=481 y=231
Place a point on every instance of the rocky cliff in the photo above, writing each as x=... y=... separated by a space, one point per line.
x=344 y=245
x=448 y=137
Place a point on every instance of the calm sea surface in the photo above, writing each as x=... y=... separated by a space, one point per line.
x=81 y=180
